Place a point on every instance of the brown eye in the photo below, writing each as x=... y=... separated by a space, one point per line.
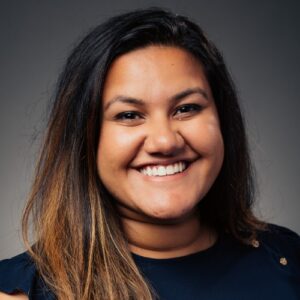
x=188 y=108
x=128 y=115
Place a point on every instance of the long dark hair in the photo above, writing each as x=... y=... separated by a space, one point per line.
x=80 y=249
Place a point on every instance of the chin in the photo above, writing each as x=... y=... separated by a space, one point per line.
x=171 y=214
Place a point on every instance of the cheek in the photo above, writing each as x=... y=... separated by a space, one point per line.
x=116 y=148
x=212 y=139
x=205 y=137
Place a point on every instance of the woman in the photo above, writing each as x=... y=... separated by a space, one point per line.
x=144 y=186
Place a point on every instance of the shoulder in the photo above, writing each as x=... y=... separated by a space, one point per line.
x=281 y=237
x=17 y=274
x=282 y=246
x=281 y=230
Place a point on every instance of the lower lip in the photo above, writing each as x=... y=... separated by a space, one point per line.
x=166 y=177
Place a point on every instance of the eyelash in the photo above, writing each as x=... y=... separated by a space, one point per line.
x=134 y=114
x=195 y=107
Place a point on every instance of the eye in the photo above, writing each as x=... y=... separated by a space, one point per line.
x=188 y=109
x=128 y=116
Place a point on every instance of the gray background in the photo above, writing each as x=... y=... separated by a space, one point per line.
x=261 y=45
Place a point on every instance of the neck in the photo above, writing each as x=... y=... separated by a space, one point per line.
x=158 y=240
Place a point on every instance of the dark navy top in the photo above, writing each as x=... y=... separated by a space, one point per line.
x=229 y=270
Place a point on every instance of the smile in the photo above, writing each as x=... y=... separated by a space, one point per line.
x=164 y=170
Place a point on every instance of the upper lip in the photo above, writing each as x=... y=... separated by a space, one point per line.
x=163 y=162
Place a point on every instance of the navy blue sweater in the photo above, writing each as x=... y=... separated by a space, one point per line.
x=269 y=269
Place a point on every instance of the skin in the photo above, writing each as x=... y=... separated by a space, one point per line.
x=158 y=213
x=13 y=297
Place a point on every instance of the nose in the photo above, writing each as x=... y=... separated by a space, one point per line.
x=163 y=139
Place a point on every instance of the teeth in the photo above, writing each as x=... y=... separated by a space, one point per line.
x=176 y=168
x=164 y=170
x=154 y=172
x=149 y=171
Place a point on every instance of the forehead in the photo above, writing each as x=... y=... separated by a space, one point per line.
x=154 y=72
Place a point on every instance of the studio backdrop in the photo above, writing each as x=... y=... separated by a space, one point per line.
x=260 y=43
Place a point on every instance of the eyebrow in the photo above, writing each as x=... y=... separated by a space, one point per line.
x=175 y=98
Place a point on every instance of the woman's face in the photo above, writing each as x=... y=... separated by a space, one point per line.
x=160 y=147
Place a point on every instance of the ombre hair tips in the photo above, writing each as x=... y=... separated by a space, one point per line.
x=79 y=247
